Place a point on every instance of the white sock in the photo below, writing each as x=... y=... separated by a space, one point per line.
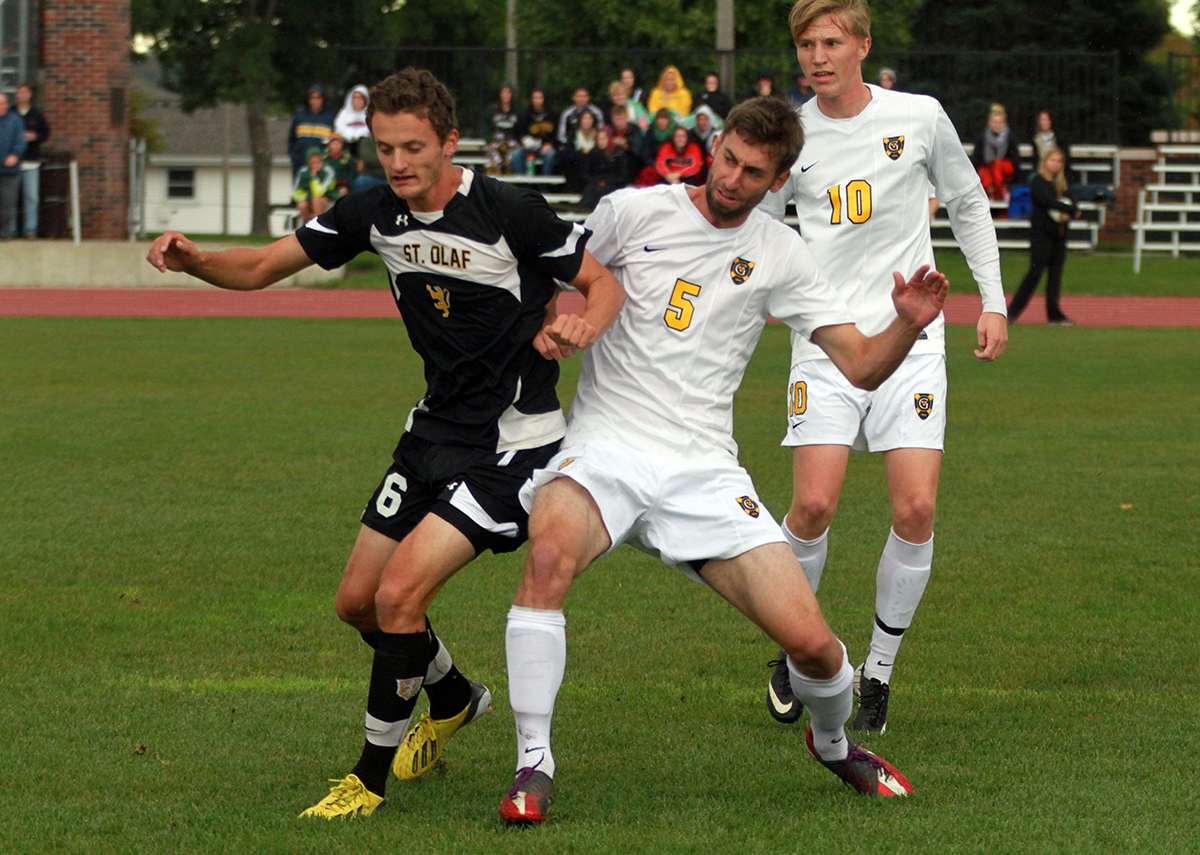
x=810 y=553
x=440 y=665
x=829 y=703
x=904 y=570
x=536 y=646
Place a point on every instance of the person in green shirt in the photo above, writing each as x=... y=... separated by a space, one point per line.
x=316 y=186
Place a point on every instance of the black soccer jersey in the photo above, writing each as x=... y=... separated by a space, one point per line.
x=472 y=287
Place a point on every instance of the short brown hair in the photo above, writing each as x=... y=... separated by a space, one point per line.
x=853 y=15
x=418 y=92
x=770 y=122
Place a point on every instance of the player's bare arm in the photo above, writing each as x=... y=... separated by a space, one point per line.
x=565 y=334
x=867 y=362
x=238 y=269
x=993 y=336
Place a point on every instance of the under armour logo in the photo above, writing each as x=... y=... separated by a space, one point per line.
x=402 y=220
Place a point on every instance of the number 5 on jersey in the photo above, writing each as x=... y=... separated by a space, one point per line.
x=680 y=307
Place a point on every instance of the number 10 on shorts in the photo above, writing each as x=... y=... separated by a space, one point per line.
x=798 y=398
x=391 y=494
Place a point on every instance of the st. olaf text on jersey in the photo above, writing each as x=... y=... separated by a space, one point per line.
x=438 y=255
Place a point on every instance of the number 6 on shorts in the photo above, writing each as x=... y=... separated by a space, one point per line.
x=391 y=494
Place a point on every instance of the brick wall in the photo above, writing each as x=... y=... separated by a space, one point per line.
x=85 y=93
x=1137 y=170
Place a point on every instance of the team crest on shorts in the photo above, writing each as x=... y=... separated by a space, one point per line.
x=408 y=689
x=748 y=505
x=741 y=270
x=893 y=147
x=566 y=463
x=924 y=404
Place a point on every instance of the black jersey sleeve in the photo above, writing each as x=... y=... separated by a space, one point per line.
x=343 y=231
x=543 y=240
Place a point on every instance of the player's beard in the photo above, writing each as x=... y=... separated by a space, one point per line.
x=725 y=213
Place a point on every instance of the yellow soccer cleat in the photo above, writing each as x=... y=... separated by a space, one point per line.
x=425 y=743
x=347 y=797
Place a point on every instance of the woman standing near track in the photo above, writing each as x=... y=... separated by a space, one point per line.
x=1053 y=210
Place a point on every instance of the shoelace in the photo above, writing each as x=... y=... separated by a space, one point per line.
x=344 y=792
x=523 y=775
x=861 y=755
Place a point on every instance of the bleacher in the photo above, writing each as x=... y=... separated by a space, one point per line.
x=1095 y=165
x=1168 y=212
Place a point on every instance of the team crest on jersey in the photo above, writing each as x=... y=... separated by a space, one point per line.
x=924 y=404
x=441 y=299
x=566 y=463
x=893 y=147
x=408 y=689
x=741 y=270
x=748 y=505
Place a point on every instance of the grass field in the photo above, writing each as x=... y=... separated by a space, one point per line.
x=180 y=496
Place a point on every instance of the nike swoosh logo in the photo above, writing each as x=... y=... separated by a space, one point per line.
x=654 y=248
x=776 y=703
x=527 y=750
x=836 y=741
x=883 y=664
x=804 y=169
x=797 y=424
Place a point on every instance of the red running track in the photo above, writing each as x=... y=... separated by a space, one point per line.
x=346 y=303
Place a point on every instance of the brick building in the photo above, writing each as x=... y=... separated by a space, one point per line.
x=76 y=54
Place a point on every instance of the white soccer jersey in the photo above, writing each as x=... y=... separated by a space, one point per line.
x=862 y=186
x=663 y=377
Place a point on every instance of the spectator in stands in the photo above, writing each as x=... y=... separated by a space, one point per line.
x=996 y=157
x=888 y=78
x=316 y=186
x=629 y=78
x=714 y=96
x=764 y=85
x=670 y=93
x=12 y=146
x=536 y=131
x=627 y=140
x=311 y=126
x=680 y=161
x=800 y=91
x=351 y=121
x=500 y=124
x=37 y=130
x=569 y=122
x=618 y=96
x=1053 y=211
x=605 y=169
x=659 y=134
x=1045 y=137
x=345 y=167
x=706 y=127
x=583 y=141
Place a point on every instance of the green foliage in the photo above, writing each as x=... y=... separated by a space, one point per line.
x=181 y=495
x=1132 y=29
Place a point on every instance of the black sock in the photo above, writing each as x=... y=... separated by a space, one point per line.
x=448 y=696
x=397 y=672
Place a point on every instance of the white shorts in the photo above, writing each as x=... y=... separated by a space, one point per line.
x=907 y=411
x=682 y=512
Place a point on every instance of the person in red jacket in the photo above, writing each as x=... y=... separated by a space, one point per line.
x=681 y=160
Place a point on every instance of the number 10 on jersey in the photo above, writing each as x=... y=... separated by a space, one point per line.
x=854 y=200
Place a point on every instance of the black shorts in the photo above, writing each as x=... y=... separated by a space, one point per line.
x=475 y=491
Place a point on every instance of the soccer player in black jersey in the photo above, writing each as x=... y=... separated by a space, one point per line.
x=472 y=265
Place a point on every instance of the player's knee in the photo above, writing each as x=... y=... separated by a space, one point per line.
x=811 y=514
x=549 y=571
x=817 y=656
x=356 y=609
x=402 y=601
x=913 y=520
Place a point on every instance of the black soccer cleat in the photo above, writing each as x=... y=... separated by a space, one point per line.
x=872 y=703
x=781 y=703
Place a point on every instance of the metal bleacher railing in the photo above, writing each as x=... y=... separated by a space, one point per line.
x=1168 y=212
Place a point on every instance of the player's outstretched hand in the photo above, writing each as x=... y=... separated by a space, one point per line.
x=921 y=298
x=172 y=251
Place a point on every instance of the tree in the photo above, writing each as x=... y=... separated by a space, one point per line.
x=265 y=53
x=1132 y=28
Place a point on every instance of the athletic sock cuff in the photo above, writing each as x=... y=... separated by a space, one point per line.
x=538 y=617
x=792 y=538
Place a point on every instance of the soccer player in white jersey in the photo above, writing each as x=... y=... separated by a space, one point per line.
x=861 y=191
x=649 y=457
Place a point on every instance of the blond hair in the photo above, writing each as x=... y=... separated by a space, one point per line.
x=1058 y=179
x=854 y=16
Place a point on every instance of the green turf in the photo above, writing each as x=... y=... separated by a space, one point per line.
x=180 y=496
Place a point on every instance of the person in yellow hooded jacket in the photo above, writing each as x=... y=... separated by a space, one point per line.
x=670 y=93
